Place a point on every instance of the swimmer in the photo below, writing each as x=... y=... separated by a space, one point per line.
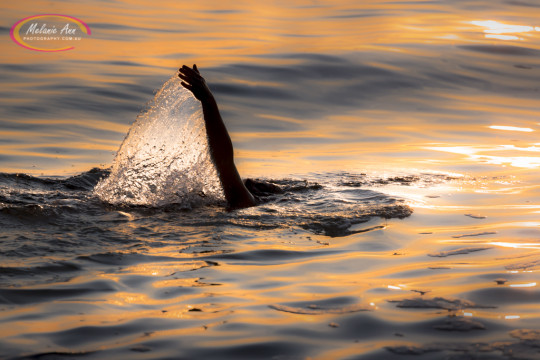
x=219 y=141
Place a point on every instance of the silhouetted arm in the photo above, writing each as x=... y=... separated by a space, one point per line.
x=221 y=148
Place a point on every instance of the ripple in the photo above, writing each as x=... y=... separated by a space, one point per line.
x=438 y=303
x=460 y=251
x=33 y=296
x=502 y=50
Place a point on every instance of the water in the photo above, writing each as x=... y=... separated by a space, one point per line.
x=402 y=135
x=164 y=159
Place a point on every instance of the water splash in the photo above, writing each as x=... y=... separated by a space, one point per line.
x=164 y=158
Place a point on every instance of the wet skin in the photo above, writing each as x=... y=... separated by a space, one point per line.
x=219 y=141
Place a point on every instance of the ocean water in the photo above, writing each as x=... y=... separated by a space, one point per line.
x=402 y=136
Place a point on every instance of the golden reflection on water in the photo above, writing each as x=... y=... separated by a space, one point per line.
x=225 y=306
x=510 y=128
x=464 y=129
x=480 y=154
x=162 y=36
x=523 y=285
x=495 y=30
x=516 y=245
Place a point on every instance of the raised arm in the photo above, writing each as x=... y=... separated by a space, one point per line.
x=219 y=141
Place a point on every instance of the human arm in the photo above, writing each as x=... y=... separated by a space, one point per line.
x=219 y=141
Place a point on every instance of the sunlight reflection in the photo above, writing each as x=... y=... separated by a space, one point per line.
x=523 y=285
x=517 y=246
x=529 y=148
x=495 y=30
x=510 y=128
x=502 y=37
x=473 y=152
x=495 y=27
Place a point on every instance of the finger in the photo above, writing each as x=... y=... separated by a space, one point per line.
x=195 y=68
x=184 y=77
x=186 y=68
x=189 y=71
x=187 y=86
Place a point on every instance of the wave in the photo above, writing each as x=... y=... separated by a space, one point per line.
x=331 y=206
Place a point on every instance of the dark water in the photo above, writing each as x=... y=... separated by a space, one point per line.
x=62 y=219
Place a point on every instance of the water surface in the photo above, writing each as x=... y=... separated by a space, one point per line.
x=403 y=133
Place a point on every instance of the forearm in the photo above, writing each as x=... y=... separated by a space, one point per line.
x=221 y=151
x=219 y=141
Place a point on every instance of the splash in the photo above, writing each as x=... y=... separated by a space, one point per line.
x=164 y=158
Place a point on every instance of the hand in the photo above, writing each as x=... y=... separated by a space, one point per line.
x=194 y=82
